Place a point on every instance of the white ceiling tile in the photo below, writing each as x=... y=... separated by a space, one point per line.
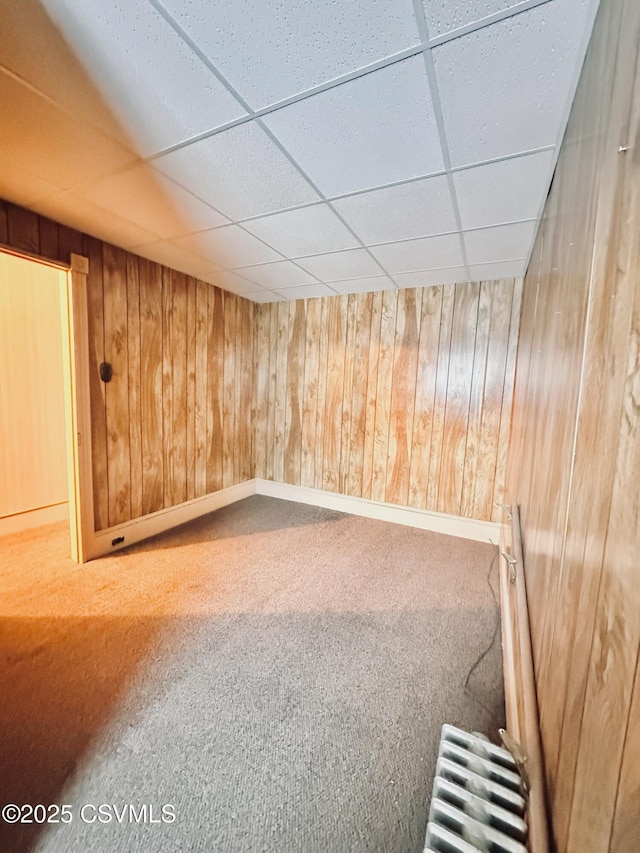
x=157 y=103
x=233 y=283
x=307 y=291
x=504 y=191
x=363 y=285
x=229 y=247
x=176 y=257
x=375 y=130
x=269 y=50
x=264 y=296
x=427 y=278
x=278 y=274
x=504 y=88
x=492 y=272
x=306 y=231
x=154 y=201
x=425 y=253
x=21 y=187
x=239 y=171
x=444 y=16
x=40 y=138
x=415 y=209
x=502 y=243
x=335 y=266
x=76 y=212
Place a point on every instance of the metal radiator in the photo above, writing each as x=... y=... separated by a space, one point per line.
x=479 y=798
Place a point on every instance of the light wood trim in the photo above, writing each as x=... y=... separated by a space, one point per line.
x=79 y=436
x=520 y=690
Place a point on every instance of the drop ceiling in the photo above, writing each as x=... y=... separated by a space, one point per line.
x=286 y=149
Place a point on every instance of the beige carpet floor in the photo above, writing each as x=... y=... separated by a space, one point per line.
x=275 y=673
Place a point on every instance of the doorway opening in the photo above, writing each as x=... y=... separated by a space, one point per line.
x=39 y=393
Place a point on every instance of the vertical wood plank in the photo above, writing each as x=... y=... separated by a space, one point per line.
x=261 y=388
x=310 y=392
x=347 y=389
x=49 y=246
x=4 y=227
x=372 y=389
x=439 y=409
x=179 y=394
x=359 y=394
x=403 y=393
x=151 y=365
x=134 y=382
x=168 y=462
x=228 y=399
x=201 y=390
x=456 y=419
x=271 y=388
x=425 y=396
x=323 y=355
x=295 y=379
x=69 y=242
x=117 y=396
x=191 y=390
x=97 y=388
x=383 y=393
x=282 y=339
x=243 y=422
x=215 y=384
x=22 y=229
x=332 y=438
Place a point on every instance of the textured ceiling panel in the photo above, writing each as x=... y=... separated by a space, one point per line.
x=423 y=254
x=355 y=263
x=269 y=50
x=414 y=209
x=153 y=197
x=444 y=16
x=278 y=274
x=503 y=191
x=79 y=154
x=307 y=291
x=487 y=77
x=229 y=246
x=306 y=231
x=279 y=138
x=426 y=278
x=363 y=285
x=240 y=172
x=375 y=130
x=504 y=269
x=157 y=103
x=503 y=243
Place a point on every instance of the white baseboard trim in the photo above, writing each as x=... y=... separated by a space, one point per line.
x=138 y=529
x=438 y=522
x=34 y=518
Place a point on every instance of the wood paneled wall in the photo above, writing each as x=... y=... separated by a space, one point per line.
x=575 y=452
x=397 y=396
x=32 y=416
x=174 y=422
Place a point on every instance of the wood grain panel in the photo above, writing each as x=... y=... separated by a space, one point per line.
x=151 y=364
x=576 y=410
x=295 y=385
x=215 y=387
x=261 y=372
x=134 y=383
x=117 y=392
x=201 y=389
x=403 y=394
x=310 y=392
x=425 y=396
x=359 y=393
x=373 y=365
x=157 y=430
